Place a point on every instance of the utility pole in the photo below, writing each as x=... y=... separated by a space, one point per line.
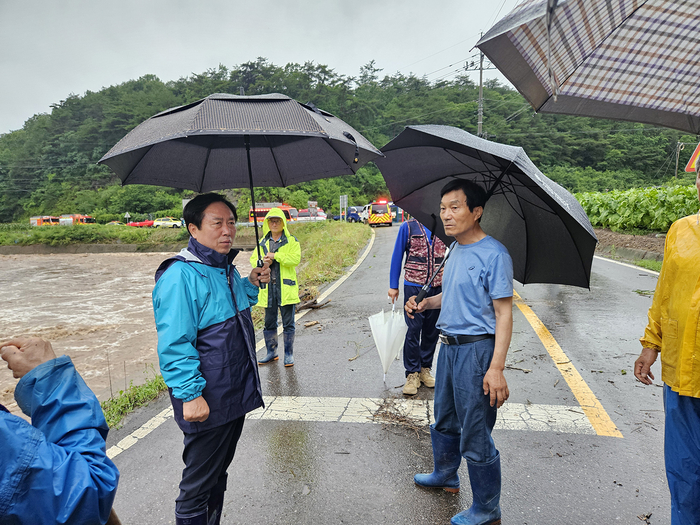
x=480 y=118
x=679 y=148
x=472 y=66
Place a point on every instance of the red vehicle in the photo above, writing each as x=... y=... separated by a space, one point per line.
x=141 y=224
x=290 y=213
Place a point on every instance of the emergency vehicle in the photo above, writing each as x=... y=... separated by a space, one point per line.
x=44 y=220
x=261 y=209
x=75 y=218
x=377 y=213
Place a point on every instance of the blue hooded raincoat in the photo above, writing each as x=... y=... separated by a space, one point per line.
x=55 y=470
x=206 y=341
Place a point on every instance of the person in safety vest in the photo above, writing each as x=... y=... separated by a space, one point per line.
x=206 y=351
x=55 y=470
x=282 y=253
x=424 y=252
x=674 y=332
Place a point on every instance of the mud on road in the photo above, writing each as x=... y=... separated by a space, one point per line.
x=95 y=308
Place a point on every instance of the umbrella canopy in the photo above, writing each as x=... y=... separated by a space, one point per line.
x=202 y=146
x=389 y=331
x=634 y=60
x=545 y=229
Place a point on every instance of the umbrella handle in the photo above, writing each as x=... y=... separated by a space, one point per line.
x=260 y=265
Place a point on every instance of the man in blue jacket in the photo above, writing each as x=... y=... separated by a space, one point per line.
x=55 y=470
x=206 y=349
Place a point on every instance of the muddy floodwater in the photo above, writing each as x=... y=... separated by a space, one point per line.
x=95 y=308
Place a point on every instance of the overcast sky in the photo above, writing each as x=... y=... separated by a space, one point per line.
x=52 y=48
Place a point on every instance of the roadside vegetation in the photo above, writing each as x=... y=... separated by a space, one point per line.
x=117 y=407
x=640 y=209
x=327 y=249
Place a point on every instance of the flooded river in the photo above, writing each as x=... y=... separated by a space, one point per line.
x=95 y=308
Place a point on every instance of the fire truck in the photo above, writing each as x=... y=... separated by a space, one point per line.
x=261 y=208
x=377 y=213
x=75 y=218
x=44 y=220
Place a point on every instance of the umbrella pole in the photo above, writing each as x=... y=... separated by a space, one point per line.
x=246 y=138
x=426 y=288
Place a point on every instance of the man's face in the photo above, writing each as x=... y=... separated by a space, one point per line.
x=455 y=214
x=275 y=224
x=218 y=228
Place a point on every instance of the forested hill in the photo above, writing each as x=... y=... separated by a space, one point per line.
x=49 y=166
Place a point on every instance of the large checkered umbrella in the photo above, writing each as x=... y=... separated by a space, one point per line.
x=634 y=60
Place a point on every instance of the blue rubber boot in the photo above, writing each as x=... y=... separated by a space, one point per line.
x=271 y=344
x=288 y=348
x=447 y=458
x=486 y=494
x=198 y=519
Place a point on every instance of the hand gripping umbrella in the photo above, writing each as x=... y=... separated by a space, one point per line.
x=544 y=228
x=229 y=141
x=634 y=60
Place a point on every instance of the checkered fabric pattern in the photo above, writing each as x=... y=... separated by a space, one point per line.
x=630 y=52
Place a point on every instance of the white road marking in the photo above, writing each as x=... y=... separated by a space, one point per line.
x=511 y=416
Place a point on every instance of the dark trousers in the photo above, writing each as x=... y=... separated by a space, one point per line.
x=287 y=318
x=422 y=336
x=207 y=456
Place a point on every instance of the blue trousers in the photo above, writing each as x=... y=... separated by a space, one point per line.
x=682 y=454
x=287 y=311
x=422 y=336
x=461 y=408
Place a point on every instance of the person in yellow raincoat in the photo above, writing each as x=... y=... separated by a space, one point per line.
x=674 y=332
x=282 y=253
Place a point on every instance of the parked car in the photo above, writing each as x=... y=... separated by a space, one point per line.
x=306 y=215
x=141 y=224
x=167 y=222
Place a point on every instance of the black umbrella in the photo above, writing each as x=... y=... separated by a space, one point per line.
x=545 y=229
x=227 y=141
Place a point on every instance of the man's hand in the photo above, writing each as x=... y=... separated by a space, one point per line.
x=259 y=275
x=495 y=384
x=25 y=353
x=412 y=307
x=642 y=366
x=393 y=294
x=195 y=411
x=269 y=257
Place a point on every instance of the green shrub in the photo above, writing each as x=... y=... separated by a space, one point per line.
x=640 y=208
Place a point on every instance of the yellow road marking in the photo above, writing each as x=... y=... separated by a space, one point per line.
x=590 y=405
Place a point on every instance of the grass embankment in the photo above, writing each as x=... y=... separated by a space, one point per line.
x=327 y=249
x=25 y=235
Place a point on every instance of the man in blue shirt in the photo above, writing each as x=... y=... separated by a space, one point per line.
x=424 y=253
x=476 y=324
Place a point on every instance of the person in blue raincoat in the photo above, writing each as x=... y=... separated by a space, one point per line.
x=206 y=350
x=55 y=470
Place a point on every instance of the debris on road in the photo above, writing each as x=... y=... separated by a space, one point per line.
x=310 y=323
x=312 y=304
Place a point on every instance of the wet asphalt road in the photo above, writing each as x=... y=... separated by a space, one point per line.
x=329 y=472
